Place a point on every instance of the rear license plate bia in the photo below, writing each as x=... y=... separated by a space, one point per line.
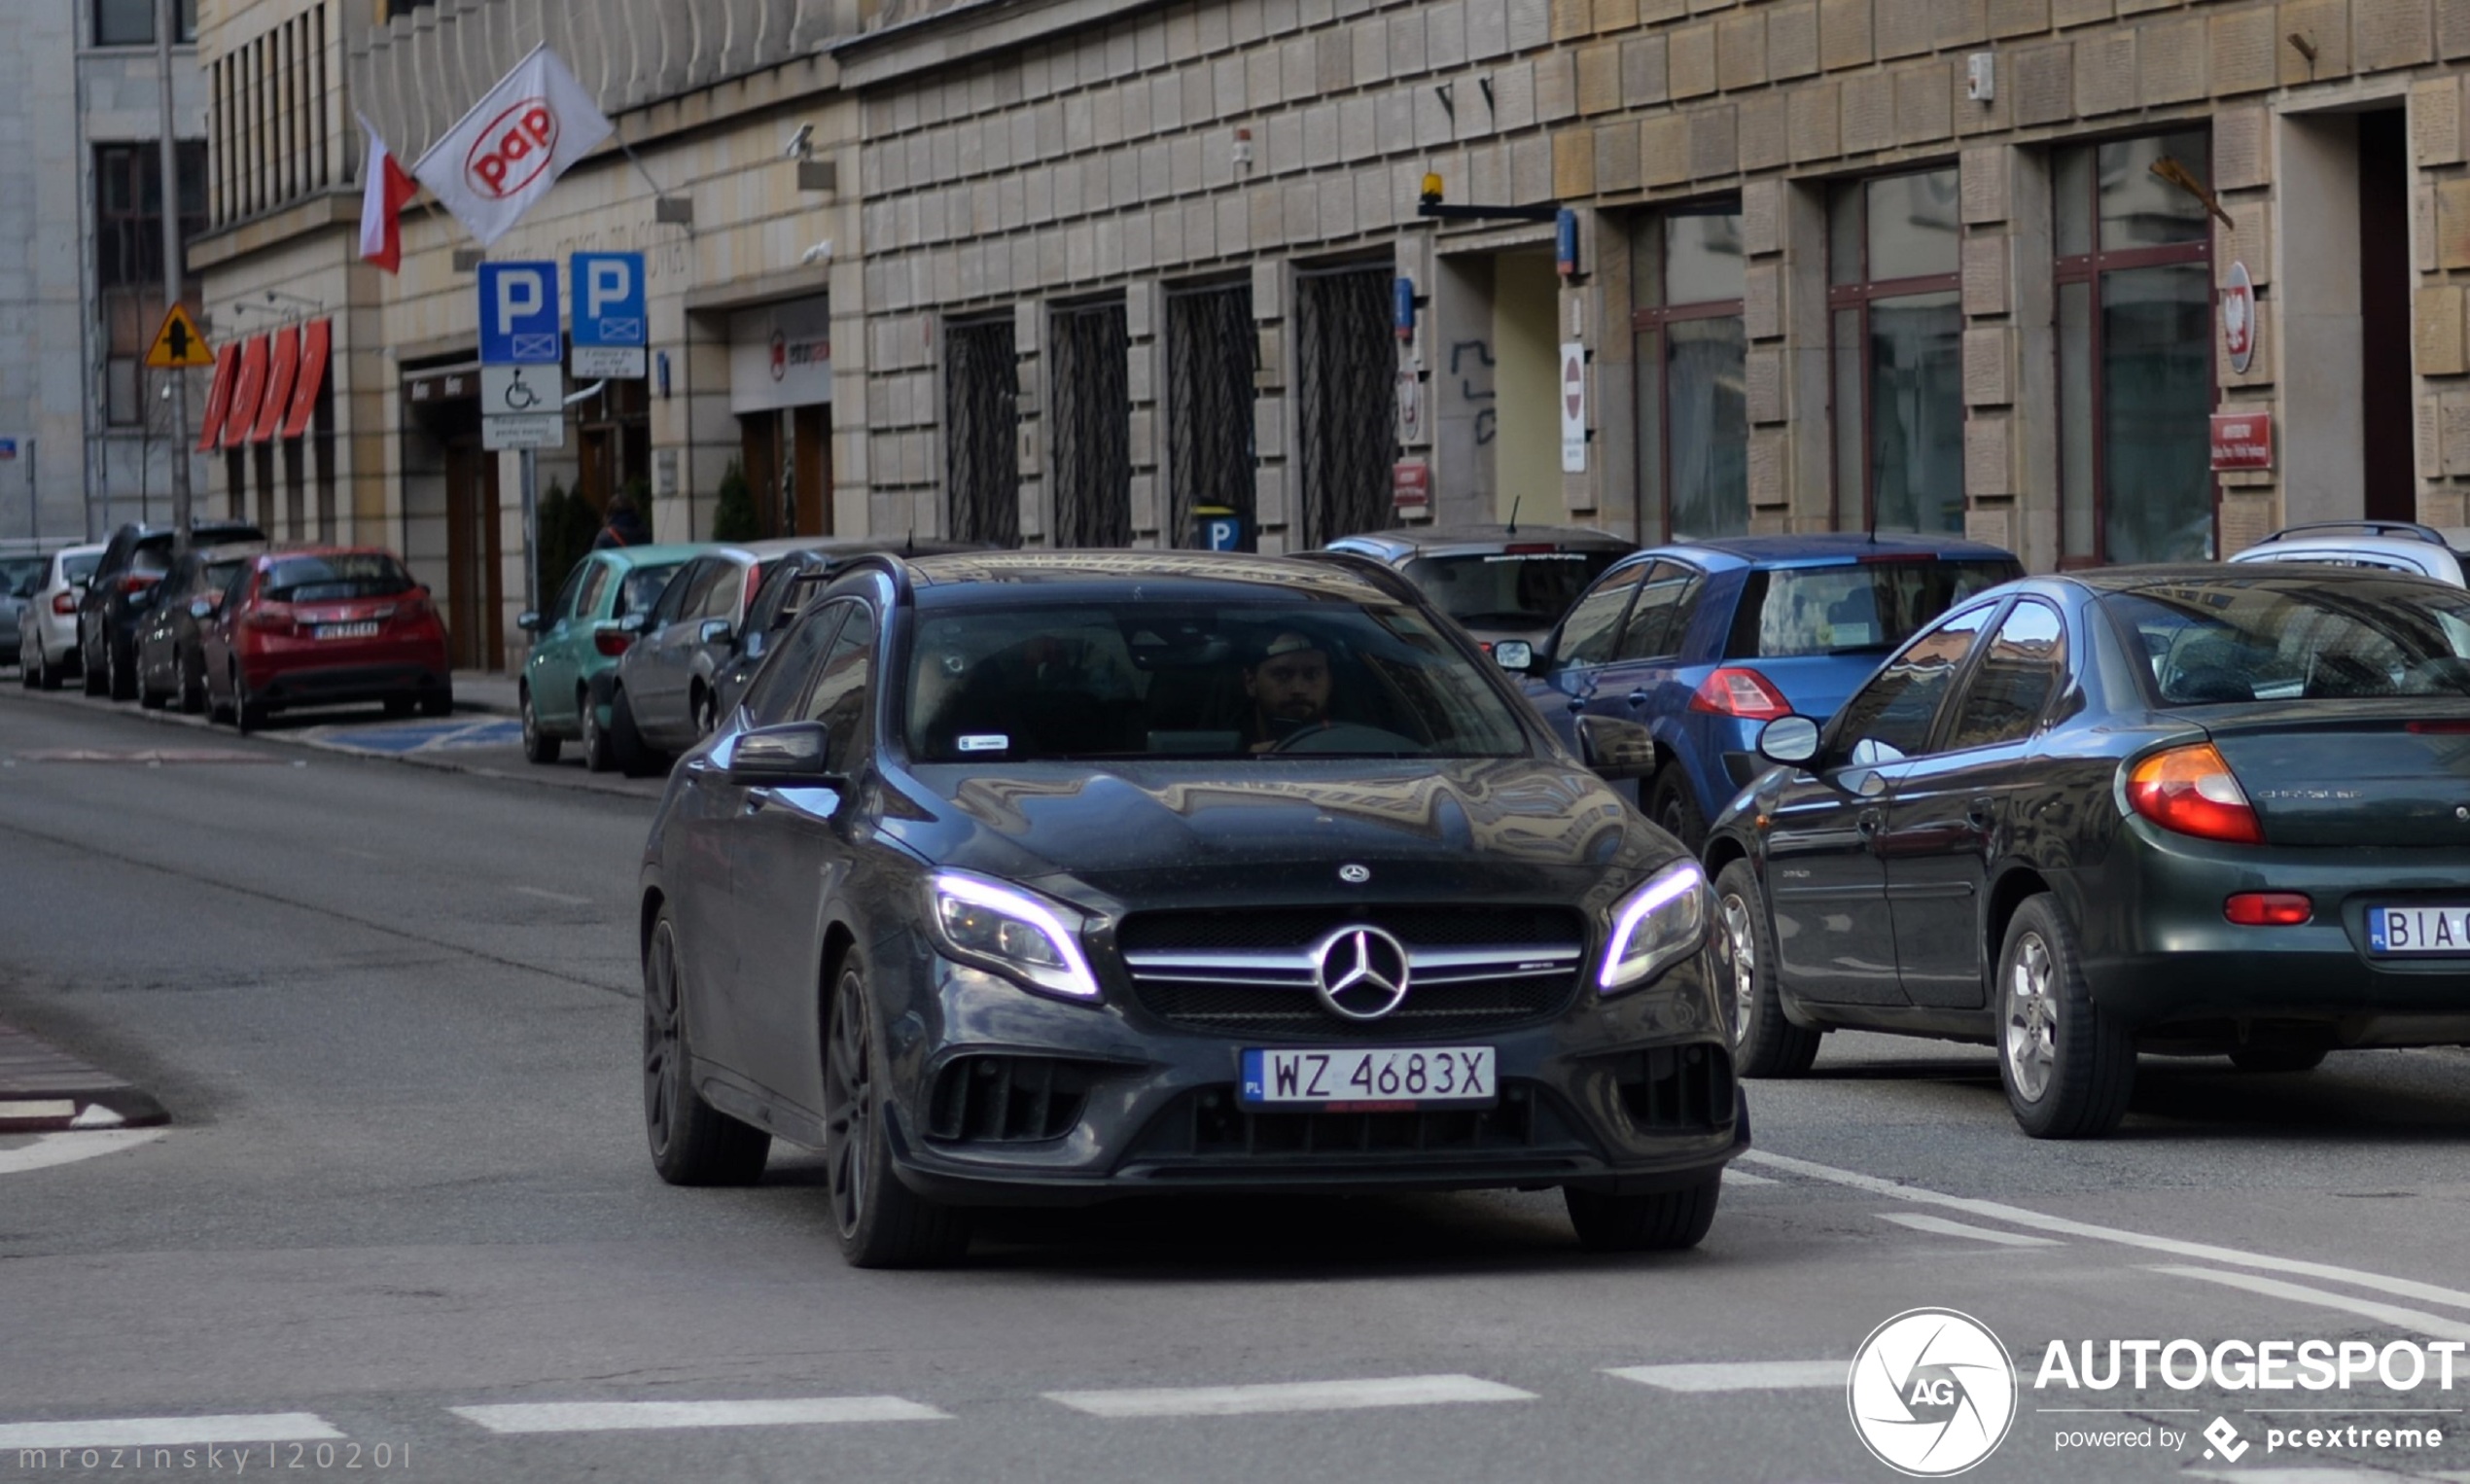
x=365 y=629
x=1370 y=1079
x=2419 y=930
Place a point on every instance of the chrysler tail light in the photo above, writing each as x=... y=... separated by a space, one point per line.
x=2192 y=791
x=612 y=641
x=1735 y=691
x=64 y=603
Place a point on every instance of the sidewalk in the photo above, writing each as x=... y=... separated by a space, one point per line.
x=42 y=1088
x=487 y=691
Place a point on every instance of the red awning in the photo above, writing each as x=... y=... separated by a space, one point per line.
x=278 y=385
x=246 y=393
x=315 y=338
x=227 y=371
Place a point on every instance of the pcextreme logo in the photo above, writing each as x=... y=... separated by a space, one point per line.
x=1932 y=1393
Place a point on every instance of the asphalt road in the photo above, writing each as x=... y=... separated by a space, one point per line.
x=391 y=1009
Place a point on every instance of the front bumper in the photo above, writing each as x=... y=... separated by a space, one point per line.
x=1631 y=1094
x=2157 y=950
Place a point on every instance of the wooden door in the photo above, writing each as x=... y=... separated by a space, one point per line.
x=812 y=492
x=475 y=584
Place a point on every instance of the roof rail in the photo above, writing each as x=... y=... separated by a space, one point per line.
x=2410 y=528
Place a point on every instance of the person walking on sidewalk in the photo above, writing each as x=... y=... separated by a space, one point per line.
x=622 y=525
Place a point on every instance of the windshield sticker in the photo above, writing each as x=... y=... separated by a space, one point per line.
x=985 y=742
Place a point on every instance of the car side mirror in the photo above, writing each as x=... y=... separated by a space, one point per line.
x=1515 y=656
x=529 y=622
x=791 y=751
x=714 y=631
x=1792 y=740
x=755 y=643
x=1616 y=748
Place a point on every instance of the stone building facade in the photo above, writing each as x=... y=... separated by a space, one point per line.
x=1936 y=264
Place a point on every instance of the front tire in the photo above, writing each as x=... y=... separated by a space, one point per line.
x=880 y=1222
x=247 y=715
x=1764 y=1042
x=1662 y=1221
x=538 y=745
x=2068 y=1066
x=692 y=1143
x=634 y=757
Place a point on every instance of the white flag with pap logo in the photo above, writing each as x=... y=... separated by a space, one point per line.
x=511 y=148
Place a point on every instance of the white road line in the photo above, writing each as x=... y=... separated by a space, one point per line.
x=572 y=901
x=166 y=1431
x=1939 y=1226
x=1740 y=1176
x=638 y=1416
x=26 y=1110
x=2313 y=1475
x=2018 y=1215
x=2434 y=1326
x=69 y=1148
x=1740 y=1375
x=1289 y=1397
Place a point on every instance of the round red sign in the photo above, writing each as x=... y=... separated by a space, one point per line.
x=514 y=149
x=2238 y=319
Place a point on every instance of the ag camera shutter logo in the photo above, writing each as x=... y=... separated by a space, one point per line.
x=1931 y=1392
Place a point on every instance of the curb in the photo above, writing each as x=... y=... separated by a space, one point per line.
x=44 y=1089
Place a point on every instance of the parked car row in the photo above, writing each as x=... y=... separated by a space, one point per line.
x=235 y=625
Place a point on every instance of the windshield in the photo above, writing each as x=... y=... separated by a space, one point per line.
x=641 y=588
x=1789 y=612
x=19 y=576
x=1158 y=680
x=1508 y=590
x=335 y=577
x=2347 y=638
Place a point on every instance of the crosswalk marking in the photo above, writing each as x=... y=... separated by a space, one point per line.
x=1740 y=1375
x=638 y=1416
x=1941 y=1226
x=1289 y=1397
x=167 y=1431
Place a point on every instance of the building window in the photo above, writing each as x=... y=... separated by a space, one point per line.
x=131 y=23
x=1693 y=420
x=1213 y=349
x=1898 y=333
x=1089 y=431
x=2135 y=383
x=981 y=428
x=128 y=259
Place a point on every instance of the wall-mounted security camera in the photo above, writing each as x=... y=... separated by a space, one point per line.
x=801 y=144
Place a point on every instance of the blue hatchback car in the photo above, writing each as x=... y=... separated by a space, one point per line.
x=1704 y=642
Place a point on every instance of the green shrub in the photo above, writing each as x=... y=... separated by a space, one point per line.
x=734 y=518
x=568 y=523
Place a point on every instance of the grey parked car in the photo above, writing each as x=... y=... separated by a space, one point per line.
x=19 y=577
x=1499 y=582
x=2380 y=546
x=696 y=646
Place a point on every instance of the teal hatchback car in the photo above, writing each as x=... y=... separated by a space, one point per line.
x=581 y=634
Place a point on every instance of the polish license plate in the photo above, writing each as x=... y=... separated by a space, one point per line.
x=1370 y=1079
x=365 y=629
x=2419 y=930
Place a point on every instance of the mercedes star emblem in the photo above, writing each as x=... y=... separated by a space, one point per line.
x=1360 y=973
x=1354 y=875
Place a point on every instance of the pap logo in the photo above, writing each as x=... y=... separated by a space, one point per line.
x=1932 y=1393
x=514 y=149
x=2225 y=1440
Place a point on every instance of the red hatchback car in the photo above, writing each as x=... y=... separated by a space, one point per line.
x=325 y=626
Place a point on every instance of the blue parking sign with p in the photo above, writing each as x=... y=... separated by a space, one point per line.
x=518 y=314
x=609 y=307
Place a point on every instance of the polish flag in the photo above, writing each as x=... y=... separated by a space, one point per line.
x=385 y=190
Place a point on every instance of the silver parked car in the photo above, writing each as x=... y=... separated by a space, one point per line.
x=46 y=632
x=2382 y=545
x=1499 y=582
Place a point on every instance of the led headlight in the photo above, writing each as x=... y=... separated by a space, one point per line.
x=1654 y=926
x=1005 y=928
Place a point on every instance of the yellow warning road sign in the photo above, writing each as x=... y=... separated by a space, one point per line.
x=178 y=343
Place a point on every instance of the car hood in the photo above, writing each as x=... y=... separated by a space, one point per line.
x=1279 y=831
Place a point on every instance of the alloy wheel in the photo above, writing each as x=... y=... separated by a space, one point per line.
x=2030 y=1043
x=849 y=1110
x=663 y=1072
x=1741 y=945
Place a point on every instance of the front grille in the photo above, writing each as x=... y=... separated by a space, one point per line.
x=1007 y=1099
x=1471 y=969
x=1209 y=1124
x=1676 y=1089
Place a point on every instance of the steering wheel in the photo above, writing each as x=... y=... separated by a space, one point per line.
x=1348 y=738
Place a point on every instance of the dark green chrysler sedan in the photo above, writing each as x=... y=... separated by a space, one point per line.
x=2194 y=810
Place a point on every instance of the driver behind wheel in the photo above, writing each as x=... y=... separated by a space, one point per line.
x=1288 y=684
